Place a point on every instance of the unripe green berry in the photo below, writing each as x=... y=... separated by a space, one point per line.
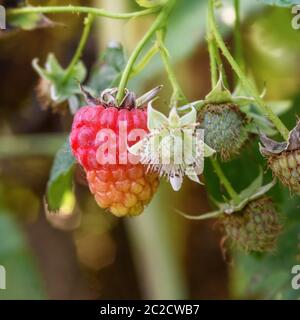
x=224 y=128
x=255 y=228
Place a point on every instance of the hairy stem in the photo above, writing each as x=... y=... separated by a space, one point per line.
x=160 y=20
x=80 y=9
x=243 y=78
x=216 y=64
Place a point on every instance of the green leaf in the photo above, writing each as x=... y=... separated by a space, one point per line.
x=107 y=72
x=281 y=3
x=60 y=181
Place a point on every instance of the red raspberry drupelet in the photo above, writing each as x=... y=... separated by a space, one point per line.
x=124 y=189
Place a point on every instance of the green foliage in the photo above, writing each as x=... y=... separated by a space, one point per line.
x=22 y=276
x=61 y=177
x=106 y=73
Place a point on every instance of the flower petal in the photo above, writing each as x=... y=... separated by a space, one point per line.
x=176 y=182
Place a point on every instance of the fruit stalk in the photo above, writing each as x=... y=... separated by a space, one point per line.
x=178 y=95
x=243 y=78
x=216 y=65
x=158 y=23
x=88 y=22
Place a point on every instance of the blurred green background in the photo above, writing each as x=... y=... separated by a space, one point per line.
x=159 y=255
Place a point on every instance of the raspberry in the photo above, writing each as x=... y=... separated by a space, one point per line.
x=284 y=158
x=88 y=121
x=255 y=228
x=122 y=187
x=286 y=167
x=224 y=128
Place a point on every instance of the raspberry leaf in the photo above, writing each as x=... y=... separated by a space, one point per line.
x=59 y=188
x=107 y=71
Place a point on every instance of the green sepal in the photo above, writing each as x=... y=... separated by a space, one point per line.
x=64 y=82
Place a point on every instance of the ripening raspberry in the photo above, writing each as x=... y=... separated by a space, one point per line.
x=255 y=228
x=99 y=139
x=284 y=158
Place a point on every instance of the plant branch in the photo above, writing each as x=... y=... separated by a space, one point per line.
x=80 y=9
x=160 y=20
x=243 y=78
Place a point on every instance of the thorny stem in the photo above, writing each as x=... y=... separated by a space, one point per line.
x=80 y=9
x=161 y=18
x=88 y=22
x=224 y=181
x=178 y=95
x=243 y=78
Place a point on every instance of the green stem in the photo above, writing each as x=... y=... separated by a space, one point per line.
x=88 y=22
x=212 y=56
x=216 y=64
x=224 y=181
x=178 y=95
x=80 y=9
x=144 y=61
x=161 y=18
x=243 y=78
x=239 y=56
